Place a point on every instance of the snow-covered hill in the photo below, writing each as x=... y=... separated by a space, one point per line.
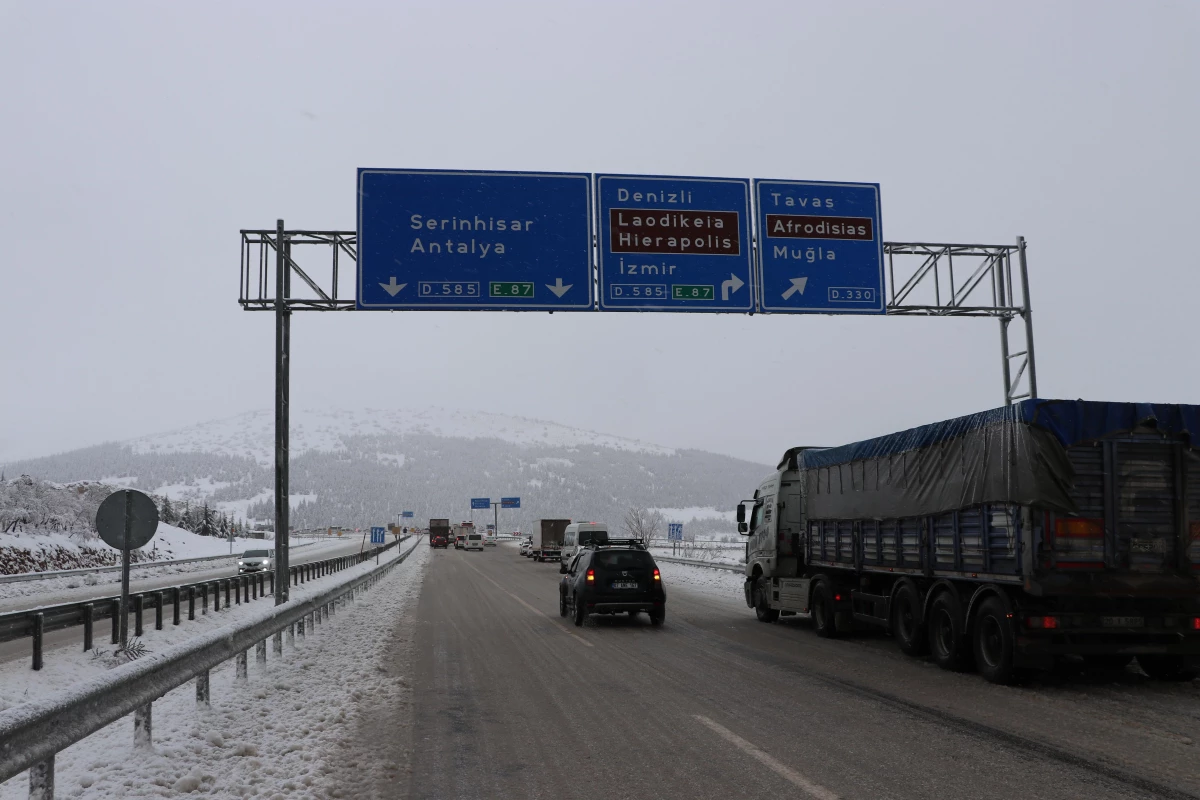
x=359 y=468
x=252 y=435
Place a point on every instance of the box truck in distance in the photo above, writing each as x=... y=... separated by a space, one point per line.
x=1000 y=541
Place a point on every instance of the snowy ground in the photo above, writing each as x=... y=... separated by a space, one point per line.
x=64 y=587
x=281 y=735
x=717 y=582
x=716 y=552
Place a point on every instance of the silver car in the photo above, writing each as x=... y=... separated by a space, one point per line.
x=256 y=561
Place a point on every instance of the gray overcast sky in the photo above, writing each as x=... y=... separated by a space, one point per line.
x=137 y=139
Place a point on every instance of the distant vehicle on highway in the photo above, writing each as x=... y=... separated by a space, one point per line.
x=439 y=527
x=256 y=561
x=459 y=541
x=580 y=534
x=618 y=577
x=548 y=538
x=438 y=540
x=527 y=547
x=474 y=541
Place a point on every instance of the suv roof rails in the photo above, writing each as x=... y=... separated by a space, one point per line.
x=636 y=544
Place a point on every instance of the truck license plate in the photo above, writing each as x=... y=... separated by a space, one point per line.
x=625 y=584
x=1124 y=622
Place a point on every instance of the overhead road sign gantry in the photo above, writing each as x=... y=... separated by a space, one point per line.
x=820 y=247
x=462 y=240
x=510 y=502
x=674 y=244
x=481 y=502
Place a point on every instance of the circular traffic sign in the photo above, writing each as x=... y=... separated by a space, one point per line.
x=143 y=522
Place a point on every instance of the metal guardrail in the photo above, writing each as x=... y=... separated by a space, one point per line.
x=66 y=573
x=32 y=734
x=693 y=562
x=36 y=622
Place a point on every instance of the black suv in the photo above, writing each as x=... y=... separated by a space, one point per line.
x=611 y=578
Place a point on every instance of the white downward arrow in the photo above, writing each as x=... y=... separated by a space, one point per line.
x=393 y=287
x=732 y=285
x=558 y=288
x=798 y=285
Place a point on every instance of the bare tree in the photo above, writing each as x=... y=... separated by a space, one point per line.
x=642 y=524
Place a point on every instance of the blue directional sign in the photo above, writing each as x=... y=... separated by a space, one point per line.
x=406 y=514
x=377 y=535
x=820 y=247
x=675 y=532
x=447 y=239
x=510 y=502
x=674 y=244
x=481 y=502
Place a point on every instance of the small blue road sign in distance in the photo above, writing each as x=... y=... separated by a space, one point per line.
x=675 y=532
x=448 y=239
x=481 y=502
x=377 y=535
x=406 y=514
x=510 y=502
x=674 y=244
x=820 y=247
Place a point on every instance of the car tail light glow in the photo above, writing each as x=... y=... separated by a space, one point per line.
x=1196 y=623
x=591 y=576
x=657 y=576
x=1045 y=623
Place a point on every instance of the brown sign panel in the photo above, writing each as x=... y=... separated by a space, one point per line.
x=684 y=232
x=792 y=226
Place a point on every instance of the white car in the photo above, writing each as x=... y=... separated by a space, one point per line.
x=526 y=547
x=256 y=561
x=474 y=541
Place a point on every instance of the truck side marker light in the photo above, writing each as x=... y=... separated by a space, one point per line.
x=1196 y=623
x=837 y=598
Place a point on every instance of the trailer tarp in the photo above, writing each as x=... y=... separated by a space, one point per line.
x=1013 y=454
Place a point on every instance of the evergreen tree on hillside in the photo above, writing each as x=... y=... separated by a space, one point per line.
x=167 y=513
x=207 y=522
x=187 y=521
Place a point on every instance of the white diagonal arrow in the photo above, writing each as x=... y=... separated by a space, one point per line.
x=393 y=287
x=732 y=285
x=798 y=285
x=558 y=288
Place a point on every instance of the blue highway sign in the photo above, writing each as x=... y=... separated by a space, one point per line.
x=674 y=244
x=675 y=532
x=481 y=502
x=407 y=514
x=451 y=239
x=510 y=502
x=377 y=535
x=820 y=247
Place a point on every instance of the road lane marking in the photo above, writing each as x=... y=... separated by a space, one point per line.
x=531 y=608
x=784 y=771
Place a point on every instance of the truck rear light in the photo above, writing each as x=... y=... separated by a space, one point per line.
x=657 y=577
x=591 y=576
x=1196 y=623
x=1043 y=623
x=1075 y=527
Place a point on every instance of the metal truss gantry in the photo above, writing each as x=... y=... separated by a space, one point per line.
x=923 y=279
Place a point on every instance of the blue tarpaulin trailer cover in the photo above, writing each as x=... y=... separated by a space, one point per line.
x=1014 y=454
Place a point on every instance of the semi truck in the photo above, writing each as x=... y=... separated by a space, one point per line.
x=1003 y=540
x=439 y=527
x=548 y=539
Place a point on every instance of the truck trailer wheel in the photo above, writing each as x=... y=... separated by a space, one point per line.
x=1167 y=668
x=761 y=609
x=947 y=641
x=994 y=642
x=823 y=611
x=907 y=627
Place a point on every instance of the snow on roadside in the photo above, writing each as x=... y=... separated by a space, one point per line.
x=716 y=582
x=276 y=736
x=65 y=585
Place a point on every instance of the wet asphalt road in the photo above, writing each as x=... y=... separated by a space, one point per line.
x=511 y=701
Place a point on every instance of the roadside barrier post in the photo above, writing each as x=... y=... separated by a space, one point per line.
x=141 y=726
x=41 y=780
x=39 y=624
x=202 y=689
x=88 y=612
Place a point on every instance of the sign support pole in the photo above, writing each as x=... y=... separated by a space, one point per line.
x=1028 y=315
x=125 y=569
x=283 y=336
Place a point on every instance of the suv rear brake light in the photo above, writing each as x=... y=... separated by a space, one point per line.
x=657 y=576
x=591 y=576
